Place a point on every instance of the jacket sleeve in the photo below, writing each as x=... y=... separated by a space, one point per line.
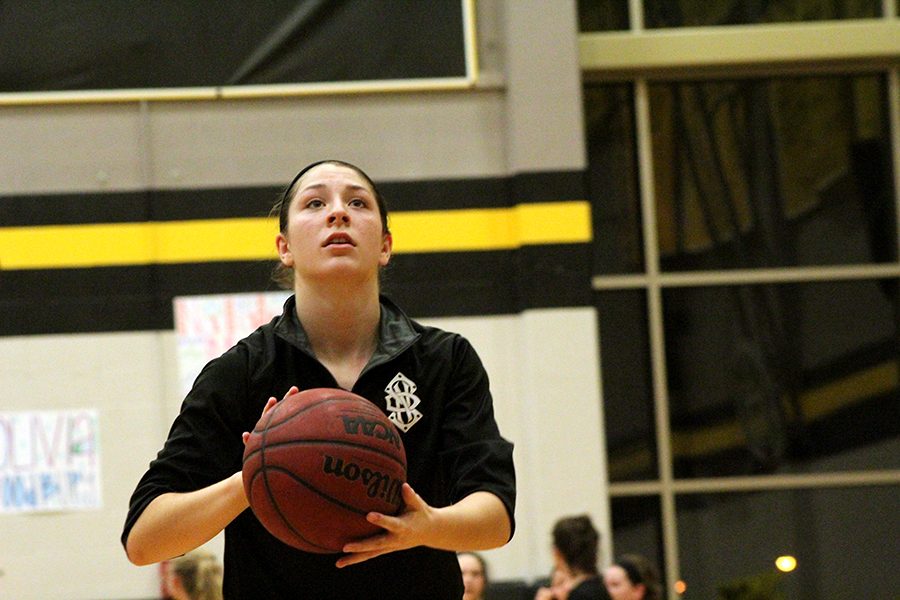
x=204 y=443
x=475 y=457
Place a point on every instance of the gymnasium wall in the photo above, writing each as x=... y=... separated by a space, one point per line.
x=82 y=325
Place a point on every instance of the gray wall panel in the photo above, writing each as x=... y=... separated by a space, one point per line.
x=249 y=142
x=70 y=148
x=543 y=79
x=392 y=137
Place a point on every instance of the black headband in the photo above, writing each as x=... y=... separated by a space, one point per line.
x=286 y=195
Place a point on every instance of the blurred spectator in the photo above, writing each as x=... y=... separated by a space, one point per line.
x=632 y=577
x=474 y=574
x=195 y=576
x=575 y=576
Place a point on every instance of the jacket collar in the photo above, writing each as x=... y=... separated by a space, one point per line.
x=396 y=331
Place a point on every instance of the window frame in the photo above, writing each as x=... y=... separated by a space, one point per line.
x=639 y=56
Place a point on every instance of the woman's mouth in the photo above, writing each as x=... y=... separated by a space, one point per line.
x=336 y=239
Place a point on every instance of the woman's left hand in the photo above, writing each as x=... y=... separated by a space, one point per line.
x=408 y=529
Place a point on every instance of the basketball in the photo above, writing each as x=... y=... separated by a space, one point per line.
x=317 y=463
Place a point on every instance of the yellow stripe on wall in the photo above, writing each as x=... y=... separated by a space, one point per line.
x=492 y=228
x=62 y=246
x=119 y=244
x=215 y=240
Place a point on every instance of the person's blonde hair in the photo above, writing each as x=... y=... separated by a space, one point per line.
x=200 y=574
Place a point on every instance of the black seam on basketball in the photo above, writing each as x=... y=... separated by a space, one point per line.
x=264 y=471
x=313 y=441
x=376 y=412
x=278 y=405
x=331 y=442
x=310 y=487
x=280 y=514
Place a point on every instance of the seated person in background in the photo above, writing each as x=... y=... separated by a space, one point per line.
x=557 y=582
x=575 y=577
x=196 y=575
x=474 y=574
x=632 y=577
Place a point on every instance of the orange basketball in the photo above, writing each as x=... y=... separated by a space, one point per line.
x=317 y=463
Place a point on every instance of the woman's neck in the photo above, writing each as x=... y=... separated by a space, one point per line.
x=577 y=576
x=341 y=324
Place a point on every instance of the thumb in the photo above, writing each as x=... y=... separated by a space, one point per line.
x=411 y=499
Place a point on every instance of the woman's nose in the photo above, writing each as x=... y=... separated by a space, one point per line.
x=338 y=214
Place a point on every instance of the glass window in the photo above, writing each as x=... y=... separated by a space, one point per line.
x=783 y=378
x=627 y=390
x=602 y=15
x=691 y=13
x=840 y=538
x=773 y=172
x=612 y=178
x=637 y=528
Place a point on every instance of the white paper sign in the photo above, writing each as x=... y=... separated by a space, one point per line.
x=207 y=326
x=49 y=460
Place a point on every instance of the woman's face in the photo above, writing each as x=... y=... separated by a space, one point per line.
x=473 y=577
x=334 y=226
x=619 y=586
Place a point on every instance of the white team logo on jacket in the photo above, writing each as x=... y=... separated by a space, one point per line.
x=401 y=402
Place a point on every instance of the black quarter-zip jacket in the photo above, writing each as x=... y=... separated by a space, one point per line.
x=452 y=441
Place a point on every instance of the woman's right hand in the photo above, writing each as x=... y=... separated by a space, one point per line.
x=270 y=403
x=544 y=593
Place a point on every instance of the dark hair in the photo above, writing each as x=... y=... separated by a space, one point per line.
x=481 y=561
x=641 y=571
x=576 y=539
x=284 y=276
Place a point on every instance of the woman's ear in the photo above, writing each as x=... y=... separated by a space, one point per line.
x=284 y=250
x=387 y=248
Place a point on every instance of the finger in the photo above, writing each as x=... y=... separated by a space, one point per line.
x=412 y=502
x=293 y=390
x=355 y=559
x=411 y=499
x=390 y=525
x=271 y=402
x=378 y=542
x=245 y=436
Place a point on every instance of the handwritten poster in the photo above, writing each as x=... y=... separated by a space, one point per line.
x=49 y=461
x=207 y=326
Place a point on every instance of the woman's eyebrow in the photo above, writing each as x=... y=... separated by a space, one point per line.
x=318 y=186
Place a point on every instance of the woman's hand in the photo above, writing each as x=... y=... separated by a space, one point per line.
x=479 y=521
x=408 y=529
x=270 y=403
x=562 y=583
x=544 y=593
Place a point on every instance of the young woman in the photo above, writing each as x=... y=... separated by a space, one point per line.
x=632 y=577
x=474 y=575
x=575 y=574
x=336 y=331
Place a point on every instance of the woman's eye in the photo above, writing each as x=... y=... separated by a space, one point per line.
x=358 y=203
x=315 y=203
